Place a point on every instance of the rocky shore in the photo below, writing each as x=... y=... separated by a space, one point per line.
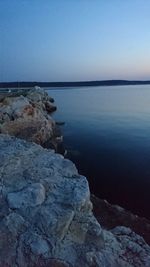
x=26 y=114
x=110 y=216
x=46 y=213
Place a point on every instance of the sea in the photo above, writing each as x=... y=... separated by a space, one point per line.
x=107 y=135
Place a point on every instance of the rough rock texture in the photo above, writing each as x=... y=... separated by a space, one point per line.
x=46 y=215
x=27 y=117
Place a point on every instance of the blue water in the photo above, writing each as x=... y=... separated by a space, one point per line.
x=107 y=134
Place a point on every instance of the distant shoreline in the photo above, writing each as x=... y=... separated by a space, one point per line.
x=71 y=84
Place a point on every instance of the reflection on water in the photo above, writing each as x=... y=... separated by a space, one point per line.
x=109 y=130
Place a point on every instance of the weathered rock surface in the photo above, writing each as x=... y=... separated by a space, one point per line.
x=28 y=117
x=46 y=215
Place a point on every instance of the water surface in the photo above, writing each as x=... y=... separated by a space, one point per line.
x=107 y=132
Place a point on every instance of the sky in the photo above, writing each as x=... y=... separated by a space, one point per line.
x=74 y=40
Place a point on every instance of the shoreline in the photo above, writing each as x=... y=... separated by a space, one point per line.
x=56 y=185
x=110 y=216
x=27 y=114
x=112 y=82
x=31 y=111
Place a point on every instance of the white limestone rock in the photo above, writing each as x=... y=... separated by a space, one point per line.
x=46 y=215
x=27 y=117
x=30 y=196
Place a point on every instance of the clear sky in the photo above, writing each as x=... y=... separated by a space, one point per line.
x=70 y=40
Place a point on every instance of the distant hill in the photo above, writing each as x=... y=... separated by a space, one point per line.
x=71 y=84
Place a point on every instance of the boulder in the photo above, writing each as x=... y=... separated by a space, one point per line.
x=28 y=117
x=31 y=129
x=46 y=216
x=49 y=107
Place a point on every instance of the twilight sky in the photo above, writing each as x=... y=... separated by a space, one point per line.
x=70 y=40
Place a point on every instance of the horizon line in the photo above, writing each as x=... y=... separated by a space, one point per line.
x=78 y=81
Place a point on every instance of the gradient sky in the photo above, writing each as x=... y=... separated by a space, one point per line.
x=70 y=40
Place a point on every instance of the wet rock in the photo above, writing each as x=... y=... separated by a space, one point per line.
x=60 y=123
x=49 y=107
x=110 y=216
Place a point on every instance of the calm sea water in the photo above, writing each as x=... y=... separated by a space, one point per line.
x=107 y=135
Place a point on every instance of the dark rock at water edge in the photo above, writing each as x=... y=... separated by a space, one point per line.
x=110 y=216
x=60 y=123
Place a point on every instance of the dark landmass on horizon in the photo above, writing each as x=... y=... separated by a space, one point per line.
x=72 y=84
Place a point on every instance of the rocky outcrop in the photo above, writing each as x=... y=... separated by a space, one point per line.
x=46 y=215
x=27 y=116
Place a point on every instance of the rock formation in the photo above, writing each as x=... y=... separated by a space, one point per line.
x=46 y=215
x=27 y=116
